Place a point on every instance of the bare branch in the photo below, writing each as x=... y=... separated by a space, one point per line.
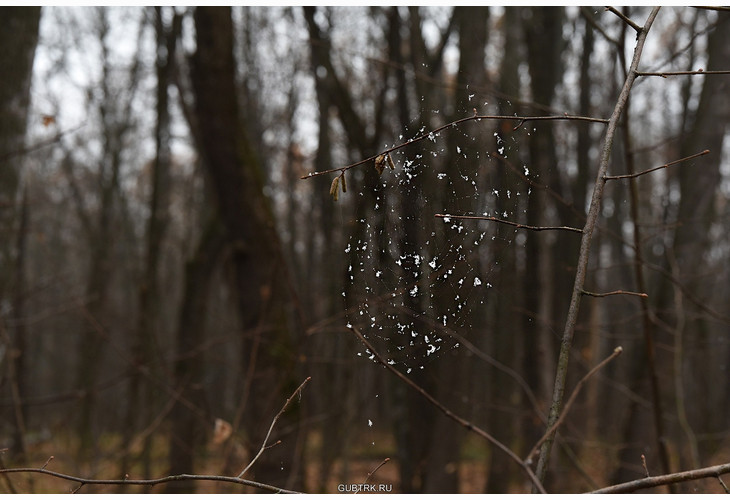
x=585 y=12
x=616 y=352
x=719 y=9
x=677 y=477
x=631 y=176
x=625 y=19
x=465 y=423
x=431 y=134
x=147 y=482
x=265 y=446
x=372 y=472
x=665 y=74
x=594 y=210
x=615 y=292
x=510 y=223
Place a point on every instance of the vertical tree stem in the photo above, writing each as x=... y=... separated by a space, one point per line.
x=593 y=212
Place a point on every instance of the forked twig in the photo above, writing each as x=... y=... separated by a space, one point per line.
x=465 y=423
x=594 y=211
x=264 y=445
x=631 y=176
x=616 y=352
x=625 y=19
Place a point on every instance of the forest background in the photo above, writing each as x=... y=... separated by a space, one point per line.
x=172 y=276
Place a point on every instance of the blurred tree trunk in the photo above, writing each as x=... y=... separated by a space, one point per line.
x=114 y=108
x=333 y=397
x=543 y=36
x=145 y=348
x=699 y=182
x=506 y=343
x=441 y=467
x=18 y=39
x=548 y=286
x=334 y=94
x=413 y=419
x=259 y=274
x=189 y=419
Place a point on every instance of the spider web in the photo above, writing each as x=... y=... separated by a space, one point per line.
x=418 y=298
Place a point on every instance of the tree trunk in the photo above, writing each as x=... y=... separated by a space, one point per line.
x=189 y=418
x=699 y=182
x=145 y=352
x=506 y=343
x=18 y=39
x=259 y=277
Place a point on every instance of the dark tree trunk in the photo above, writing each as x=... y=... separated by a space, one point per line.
x=259 y=273
x=18 y=39
x=189 y=418
x=145 y=347
x=506 y=341
x=699 y=183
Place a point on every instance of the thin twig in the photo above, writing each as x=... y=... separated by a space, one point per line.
x=42 y=143
x=615 y=292
x=724 y=486
x=510 y=223
x=431 y=134
x=264 y=445
x=631 y=176
x=625 y=19
x=643 y=463
x=616 y=352
x=372 y=472
x=484 y=357
x=465 y=423
x=677 y=477
x=585 y=11
x=148 y=482
x=665 y=74
x=8 y=482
